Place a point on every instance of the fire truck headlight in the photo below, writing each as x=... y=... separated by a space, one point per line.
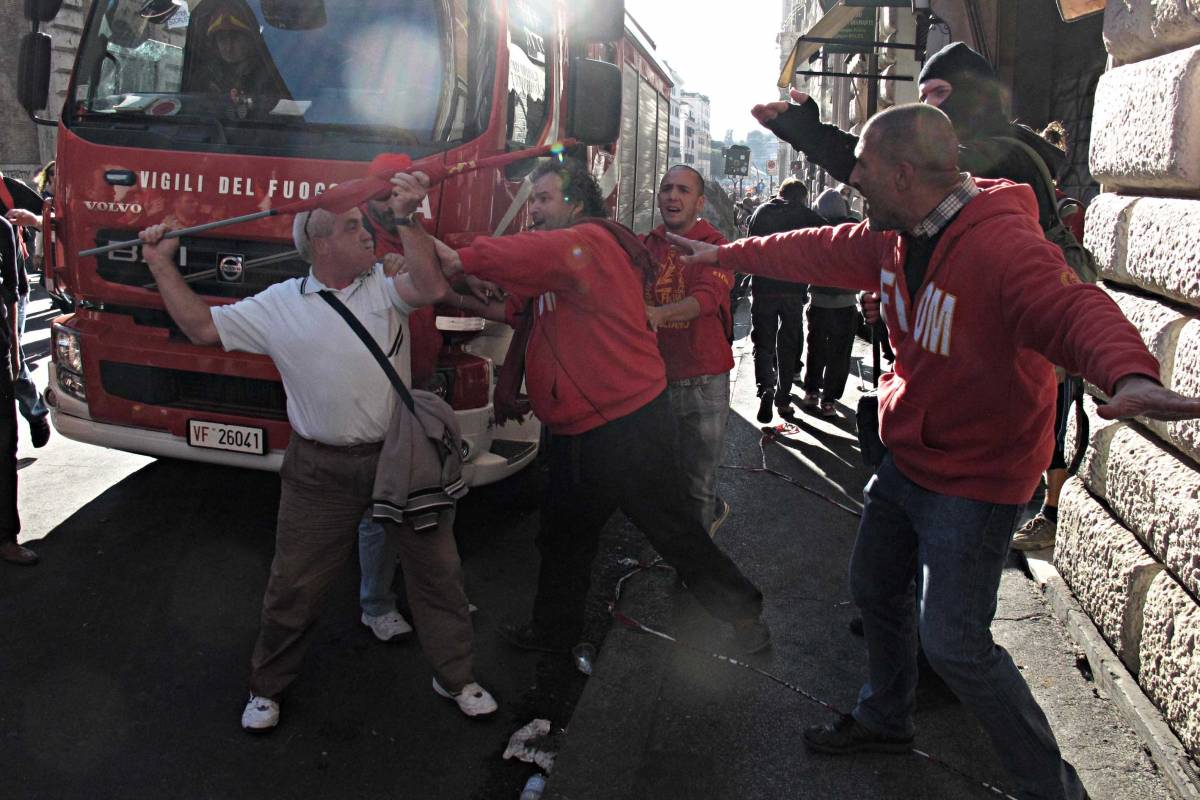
x=68 y=353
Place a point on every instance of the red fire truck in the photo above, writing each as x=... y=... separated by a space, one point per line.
x=210 y=109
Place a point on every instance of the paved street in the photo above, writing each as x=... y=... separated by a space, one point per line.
x=124 y=653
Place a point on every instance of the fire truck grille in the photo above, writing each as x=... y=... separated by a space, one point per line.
x=212 y=267
x=201 y=391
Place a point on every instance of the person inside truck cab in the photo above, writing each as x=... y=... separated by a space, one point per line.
x=227 y=56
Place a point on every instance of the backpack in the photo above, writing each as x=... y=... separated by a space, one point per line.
x=1083 y=264
x=1078 y=258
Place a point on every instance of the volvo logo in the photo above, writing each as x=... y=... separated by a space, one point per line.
x=113 y=208
x=230 y=267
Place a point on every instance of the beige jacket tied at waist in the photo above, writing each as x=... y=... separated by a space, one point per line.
x=420 y=466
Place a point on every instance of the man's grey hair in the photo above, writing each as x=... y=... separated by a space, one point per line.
x=918 y=134
x=309 y=225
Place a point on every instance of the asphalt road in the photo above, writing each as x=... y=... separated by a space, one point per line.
x=124 y=653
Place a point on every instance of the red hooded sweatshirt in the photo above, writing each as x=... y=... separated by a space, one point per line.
x=969 y=409
x=591 y=357
x=699 y=346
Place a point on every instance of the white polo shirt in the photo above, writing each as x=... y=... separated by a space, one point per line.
x=337 y=393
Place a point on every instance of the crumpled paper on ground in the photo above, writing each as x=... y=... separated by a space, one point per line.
x=534 y=744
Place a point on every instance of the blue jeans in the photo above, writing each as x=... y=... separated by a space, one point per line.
x=377 y=554
x=702 y=410
x=954 y=551
x=29 y=399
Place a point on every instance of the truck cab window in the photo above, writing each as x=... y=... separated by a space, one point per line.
x=528 y=71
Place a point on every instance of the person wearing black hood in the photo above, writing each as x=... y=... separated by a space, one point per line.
x=962 y=84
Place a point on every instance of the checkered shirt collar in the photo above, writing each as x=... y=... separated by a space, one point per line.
x=946 y=210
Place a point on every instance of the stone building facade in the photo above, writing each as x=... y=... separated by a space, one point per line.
x=1129 y=532
x=24 y=147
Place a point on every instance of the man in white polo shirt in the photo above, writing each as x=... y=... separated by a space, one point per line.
x=339 y=403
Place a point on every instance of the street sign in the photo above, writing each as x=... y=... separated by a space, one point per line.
x=770 y=166
x=858 y=36
x=737 y=159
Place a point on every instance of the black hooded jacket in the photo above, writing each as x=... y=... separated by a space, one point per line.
x=974 y=106
x=776 y=216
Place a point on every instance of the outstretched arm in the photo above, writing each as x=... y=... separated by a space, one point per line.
x=799 y=124
x=188 y=309
x=1139 y=396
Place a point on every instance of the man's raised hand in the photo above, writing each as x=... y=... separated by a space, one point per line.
x=408 y=190
x=393 y=264
x=156 y=249
x=697 y=252
x=1138 y=396
x=765 y=112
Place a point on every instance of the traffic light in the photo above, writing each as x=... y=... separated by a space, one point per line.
x=737 y=160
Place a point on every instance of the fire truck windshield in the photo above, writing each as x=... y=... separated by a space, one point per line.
x=407 y=72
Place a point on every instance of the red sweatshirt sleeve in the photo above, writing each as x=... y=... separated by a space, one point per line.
x=711 y=287
x=847 y=256
x=1074 y=325
x=531 y=264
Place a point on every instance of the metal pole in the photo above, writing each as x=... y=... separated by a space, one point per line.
x=207 y=226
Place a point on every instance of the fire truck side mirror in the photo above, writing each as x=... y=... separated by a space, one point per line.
x=594 y=110
x=595 y=21
x=42 y=10
x=294 y=15
x=33 y=72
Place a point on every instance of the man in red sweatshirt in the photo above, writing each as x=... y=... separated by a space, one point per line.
x=596 y=380
x=978 y=305
x=688 y=305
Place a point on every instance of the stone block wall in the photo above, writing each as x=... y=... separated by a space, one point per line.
x=1129 y=523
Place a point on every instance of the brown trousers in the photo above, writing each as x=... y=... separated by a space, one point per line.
x=323 y=495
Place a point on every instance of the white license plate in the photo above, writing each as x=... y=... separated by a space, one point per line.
x=218 y=436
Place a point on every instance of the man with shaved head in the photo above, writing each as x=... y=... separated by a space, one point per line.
x=689 y=308
x=979 y=306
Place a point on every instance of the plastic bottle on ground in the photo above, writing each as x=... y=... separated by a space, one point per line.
x=534 y=787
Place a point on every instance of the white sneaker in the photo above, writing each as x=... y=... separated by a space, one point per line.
x=387 y=627
x=473 y=700
x=260 y=715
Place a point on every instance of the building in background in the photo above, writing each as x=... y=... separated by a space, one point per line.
x=691 y=137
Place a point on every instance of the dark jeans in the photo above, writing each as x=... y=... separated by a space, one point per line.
x=28 y=397
x=777 y=331
x=951 y=551
x=830 y=340
x=629 y=463
x=10 y=520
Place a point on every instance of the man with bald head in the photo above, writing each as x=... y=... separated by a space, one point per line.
x=979 y=306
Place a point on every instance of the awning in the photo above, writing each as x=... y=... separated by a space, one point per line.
x=829 y=25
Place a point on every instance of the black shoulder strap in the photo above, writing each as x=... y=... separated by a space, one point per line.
x=356 y=326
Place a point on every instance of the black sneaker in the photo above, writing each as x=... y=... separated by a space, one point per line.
x=847 y=736
x=527 y=637
x=39 y=431
x=765 y=411
x=751 y=636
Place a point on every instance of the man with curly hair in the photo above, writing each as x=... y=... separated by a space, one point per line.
x=596 y=380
